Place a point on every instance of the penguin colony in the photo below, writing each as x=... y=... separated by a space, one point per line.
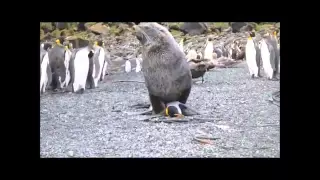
x=62 y=66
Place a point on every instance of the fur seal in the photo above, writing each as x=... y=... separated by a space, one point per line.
x=57 y=64
x=81 y=67
x=165 y=69
x=252 y=54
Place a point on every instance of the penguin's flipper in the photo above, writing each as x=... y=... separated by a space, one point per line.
x=49 y=74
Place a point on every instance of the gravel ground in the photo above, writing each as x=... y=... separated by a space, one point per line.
x=85 y=125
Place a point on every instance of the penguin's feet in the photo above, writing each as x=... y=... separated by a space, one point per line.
x=274 y=79
x=179 y=116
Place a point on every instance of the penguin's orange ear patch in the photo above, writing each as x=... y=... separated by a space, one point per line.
x=58 y=41
x=275 y=33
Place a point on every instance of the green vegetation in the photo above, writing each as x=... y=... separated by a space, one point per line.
x=263 y=26
x=223 y=25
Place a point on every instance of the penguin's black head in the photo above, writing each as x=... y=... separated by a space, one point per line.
x=210 y=39
x=252 y=34
x=172 y=111
x=90 y=55
x=46 y=46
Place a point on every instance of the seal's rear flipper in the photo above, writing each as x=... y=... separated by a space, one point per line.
x=141 y=106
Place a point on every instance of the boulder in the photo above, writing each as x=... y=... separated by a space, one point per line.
x=194 y=28
x=236 y=26
x=77 y=42
x=61 y=25
x=81 y=26
x=99 y=28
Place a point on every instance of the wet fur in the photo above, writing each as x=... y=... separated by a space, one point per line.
x=58 y=68
x=166 y=71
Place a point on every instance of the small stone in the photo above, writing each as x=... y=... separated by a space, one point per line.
x=70 y=153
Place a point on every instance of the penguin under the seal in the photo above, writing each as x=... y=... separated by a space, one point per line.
x=81 y=65
x=178 y=109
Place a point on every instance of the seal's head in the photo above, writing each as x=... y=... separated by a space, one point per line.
x=148 y=33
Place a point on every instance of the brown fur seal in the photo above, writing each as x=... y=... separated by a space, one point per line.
x=166 y=71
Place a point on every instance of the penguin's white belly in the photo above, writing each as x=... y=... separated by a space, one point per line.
x=44 y=75
x=138 y=67
x=251 y=58
x=81 y=68
x=128 y=66
x=192 y=54
x=265 y=56
x=101 y=59
x=208 y=51
x=67 y=57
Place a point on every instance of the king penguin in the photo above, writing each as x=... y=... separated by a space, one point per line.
x=208 y=51
x=177 y=109
x=81 y=64
x=45 y=70
x=127 y=67
x=268 y=56
x=105 y=64
x=98 y=62
x=182 y=43
x=138 y=63
x=192 y=54
x=252 y=54
x=276 y=66
x=67 y=57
